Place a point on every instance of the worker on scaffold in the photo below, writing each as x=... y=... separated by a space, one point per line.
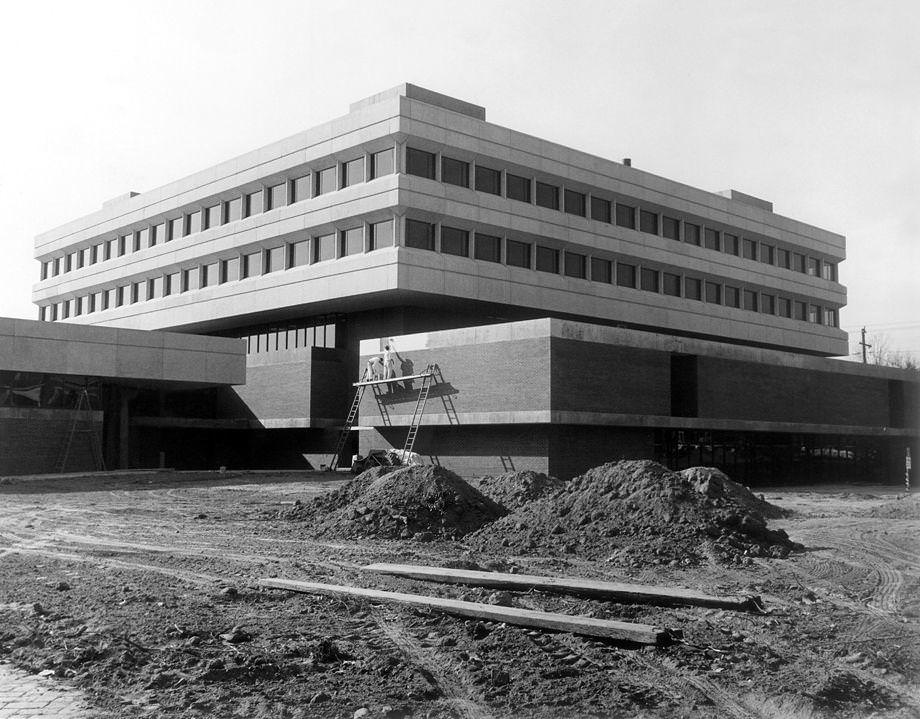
x=389 y=363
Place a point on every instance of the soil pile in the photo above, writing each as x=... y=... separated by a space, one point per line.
x=514 y=489
x=424 y=501
x=636 y=512
x=714 y=483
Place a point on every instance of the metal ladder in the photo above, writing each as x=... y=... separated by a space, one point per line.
x=83 y=405
x=346 y=428
x=418 y=412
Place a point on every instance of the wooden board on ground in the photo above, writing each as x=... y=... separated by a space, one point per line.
x=638 y=633
x=630 y=593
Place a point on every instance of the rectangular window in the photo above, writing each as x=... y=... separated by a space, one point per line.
x=190 y=279
x=252 y=204
x=748 y=249
x=714 y=293
x=750 y=300
x=814 y=267
x=547 y=195
x=324 y=248
x=829 y=271
x=798 y=262
x=626 y=275
x=326 y=180
x=252 y=264
x=277 y=196
x=138 y=291
x=488 y=247
x=670 y=227
x=626 y=216
x=171 y=284
x=420 y=163
x=54 y=312
x=547 y=260
x=830 y=317
x=766 y=253
x=517 y=254
x=142 y=239
x=193 y=222
x=56 y=265
x=670 y=284
x=230 y=270
x=692 y=233
x=576 y=265
x=419 y=235
x=382 y=163
x=299 y=253
x=381 y=234
x=233 y=209
x=81 y=259
x=488 y=180
x=601 y=270
x=176 y=228
x=353 y=241
x=517 y=187
x=693 y=288
x=768 y=304
x=121 y=295
x=274 y=260
x=783 y=307
x=783 y=258
x=648 y=279
x=353 y=172
x=45 y=268
x=105 y=299
x=801 y=310
x=455 y=242
x=301 y=188
x=600 y=209
x=732 y=296
x=730 y=244
x=575 y=203
x=65 y=309
x=814 y=314
x=711 y=239
x=455 y=172
x=155 y=288
x=77 y=306
x=648 y=222
x=212 y=217
x=99 y=252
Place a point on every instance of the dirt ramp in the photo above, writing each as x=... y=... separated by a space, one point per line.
x=514 y=489
x=424 y=502
x=712 y=482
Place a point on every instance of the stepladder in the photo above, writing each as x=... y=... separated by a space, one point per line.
x=82 y=427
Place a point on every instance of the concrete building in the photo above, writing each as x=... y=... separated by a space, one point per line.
x=412 y=214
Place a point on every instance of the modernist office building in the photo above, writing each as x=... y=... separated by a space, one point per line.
x=578 y=308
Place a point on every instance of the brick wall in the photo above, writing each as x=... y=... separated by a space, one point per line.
x=32 y=441
x=574 y=449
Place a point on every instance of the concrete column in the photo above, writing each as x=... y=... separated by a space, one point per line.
x=124 y=437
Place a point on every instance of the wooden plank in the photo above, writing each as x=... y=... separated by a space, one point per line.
x=630 y=593
x=638 y=633
x=365 y=383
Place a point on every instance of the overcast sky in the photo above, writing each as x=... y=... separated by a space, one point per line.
x=811 y=105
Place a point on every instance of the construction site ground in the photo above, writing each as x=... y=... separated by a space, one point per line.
x=140 y=590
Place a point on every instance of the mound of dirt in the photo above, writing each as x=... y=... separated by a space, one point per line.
x=906 y=507
x=514 y=489
x=714 y=483
x=635 y=512
x=423 y=501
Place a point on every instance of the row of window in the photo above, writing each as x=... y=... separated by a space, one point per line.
x=287 y=192
x=314 y=332
x=601 y=209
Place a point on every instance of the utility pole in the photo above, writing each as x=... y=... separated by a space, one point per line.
x=864 y=345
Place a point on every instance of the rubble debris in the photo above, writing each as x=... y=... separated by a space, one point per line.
x=713 y=482
x=513 y=489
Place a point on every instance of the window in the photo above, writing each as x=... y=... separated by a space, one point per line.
x=488 y=180
x=575 y=203
x=381 y=234
x=547 y=260
x=547 y=196
x=353 y=172
x=77 y=306
x=783 y=258
x=298 y=253
x=190 y=279
x=601 y=270
x=193 y=222
x=732 y=296
x=748 y=249
x=487 y=247
x=56 y=265
x=382 y=163
x=801 y=310
x=517 y=187
x=455 y=242
x=274 y=260
x=798 y=262
x=419 y=235
x=142 y=239
x=455 y=172
x=576 y=265
x=670 y=284
x=730 y=244
x=65 y=309
x=830 y=317
x=353 y=241
x=326 y=181
x=768 y=304
x=714 y=293
x=670 y=227
x=814 y=314
x=711 y=239
x=230 y=270
x=121 y=295
x=54 y=312
x=171 y=284
x=45 y=268
x=138 y=291
x=81 y=259
x=750 y=300
x=693 y=288
x=626 y=275
x=814 y=267
x=626 y=216
x=252 y=204
x=212 y=217
x=829 y=271
x=648 y=279
x=783 y=307
x=766 y=254
x=155 y=288
x=517 y=254
x=300 y=188
x=692 y=233
x=600 y=209
x=648 y=222
x=324 y=247
x=122 y=244
x=104 y=300
x=277 y=196
x=98 y=253
x=420 y=163
x=233 y=209
x=252 y=264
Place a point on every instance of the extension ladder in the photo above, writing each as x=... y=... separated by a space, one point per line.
x=83 y=405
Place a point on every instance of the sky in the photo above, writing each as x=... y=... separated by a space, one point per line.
x=811 y=105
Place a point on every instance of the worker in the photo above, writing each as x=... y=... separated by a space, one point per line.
x=374 y=369
x=389 y=361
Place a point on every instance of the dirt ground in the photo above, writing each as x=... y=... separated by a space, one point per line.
x=140 y=589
